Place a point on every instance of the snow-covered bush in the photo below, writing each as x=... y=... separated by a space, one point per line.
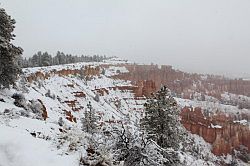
x=22 y=84
x=20 y=100
x=61 y=122
x=97 y=97
x=95 y=158
x=36 y=107
x=118 y=71
x=13 y=113
x=243 y=154
x=71 y=140
x=132 y=149
x=40 y=84
x=118 y=103
x=48 y=94
x=103 y=71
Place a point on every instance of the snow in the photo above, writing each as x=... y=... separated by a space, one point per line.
x=216 y=126
x=213 y=107
x=243 y=122
x=19 y=148
x=115 y=70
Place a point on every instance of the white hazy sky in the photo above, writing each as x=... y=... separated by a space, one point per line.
x=211 y=36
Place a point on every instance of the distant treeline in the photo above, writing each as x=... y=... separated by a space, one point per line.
x=45 y=59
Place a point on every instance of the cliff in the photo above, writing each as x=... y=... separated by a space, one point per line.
x=87 y=71
x=221 y=130
x=183 y=83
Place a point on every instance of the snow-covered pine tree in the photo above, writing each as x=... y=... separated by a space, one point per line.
x=161 y=121
x=9 y=53
x=89 y=120
x=46 y=59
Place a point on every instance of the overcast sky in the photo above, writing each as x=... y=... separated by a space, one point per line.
x=211 y=36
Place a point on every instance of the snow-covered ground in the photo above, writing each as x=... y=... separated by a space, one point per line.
x=19 y=148
x=26 y=140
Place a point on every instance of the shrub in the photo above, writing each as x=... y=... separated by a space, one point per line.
x=48 y=94
x=20 y=100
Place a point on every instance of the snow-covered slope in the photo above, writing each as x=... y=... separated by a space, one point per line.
x=20 y=147
x=34 y=138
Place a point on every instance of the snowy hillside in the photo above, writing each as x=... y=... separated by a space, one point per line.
x=45 y=127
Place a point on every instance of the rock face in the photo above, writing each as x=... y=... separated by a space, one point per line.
x=79 y=94
x=87 y=71
x=69 y=116
x=184 y=83
x=102 y=91
x=145 y=88
x=219 y=130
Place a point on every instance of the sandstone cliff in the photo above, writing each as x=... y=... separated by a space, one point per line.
x=221 y=130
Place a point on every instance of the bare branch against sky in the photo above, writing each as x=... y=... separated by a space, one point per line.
x=193 y=35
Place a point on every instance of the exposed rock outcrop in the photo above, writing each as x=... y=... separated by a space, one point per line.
x=145 y=88
x=182 y=82
x=69 y=116
x=86 y=71
x=220 y=130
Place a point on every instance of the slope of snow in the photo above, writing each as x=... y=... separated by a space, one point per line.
x=18 y=147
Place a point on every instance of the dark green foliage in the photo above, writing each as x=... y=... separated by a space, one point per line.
x=45 y=59
x=9 y=53
x=161 y=121
x=103 y=71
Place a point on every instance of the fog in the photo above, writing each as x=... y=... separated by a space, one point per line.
x=195 y=35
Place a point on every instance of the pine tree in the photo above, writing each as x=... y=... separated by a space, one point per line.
x=46 y=59
x=89 y=120
x=9 y=53
x=161 y=121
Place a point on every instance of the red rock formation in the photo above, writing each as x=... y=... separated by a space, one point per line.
x=145 y=88
x=79 y=94
x=142 y=88
x=36 y=76
x=180 y=81
x=66 y=72
x=223 y=139
x=69 y=116
x=70 y=85
x=102 y=91
x=87 y=71
x=91 y=71
x=72 y=104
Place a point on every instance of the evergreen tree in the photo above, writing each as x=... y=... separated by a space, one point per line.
x=89 y=120
x=9 y=53
x=161 y=121
x=34 y=60
x=39 y=60
x=46 y=59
